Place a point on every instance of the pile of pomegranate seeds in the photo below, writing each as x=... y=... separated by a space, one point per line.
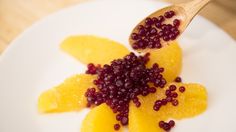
x=167 y=126
x=154 y=31
x=121 y=82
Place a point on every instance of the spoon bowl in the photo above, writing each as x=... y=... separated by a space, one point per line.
x=184 y=12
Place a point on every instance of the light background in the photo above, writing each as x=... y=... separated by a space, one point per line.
x=17 y=15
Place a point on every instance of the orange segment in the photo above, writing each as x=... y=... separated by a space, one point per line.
x=91 y=49
x=100 y=119
x=68 y=96
x=168 y=57
x=191 y=103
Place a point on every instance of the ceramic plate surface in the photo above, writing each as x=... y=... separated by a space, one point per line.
x=34 y=63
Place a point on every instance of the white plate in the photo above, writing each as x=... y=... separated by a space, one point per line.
x=34 y=63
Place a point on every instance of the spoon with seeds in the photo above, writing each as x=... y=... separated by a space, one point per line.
x=164 y=25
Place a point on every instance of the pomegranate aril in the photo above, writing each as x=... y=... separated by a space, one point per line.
x=172 y=87
x=140 y=27
x=161 y=124
x=158 y=25
x=142 y=32
x=175 y=102
x=154 y=19
x=134 y=36
x=160 y=19
x=166 y=38
x=174 y=95
x=169 y=99
x=166 y=127
x=92 y=69
x=116 y=127
x=144 y=93
x=158 y=102
x=163 y=101
x=178 y=79
x=124 y=121
x=153 y=31
x=148 y=21
x=156 y=107
x=168 y=92
x=152 y=90
x=171 y=123
x=176 y=22
x=169 y=14
x=137 y=104
x=182 y=89
x=172 y=36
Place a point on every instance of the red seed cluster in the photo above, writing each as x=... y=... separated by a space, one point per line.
x=171 y=97
x=122 y=81
x=150 y=34
x=92 y=69
x=167 y=125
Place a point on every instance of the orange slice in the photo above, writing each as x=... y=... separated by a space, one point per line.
x=100 y=119
x=168 y=57
x=68 y=96
x=191 y=103
x=91 y=49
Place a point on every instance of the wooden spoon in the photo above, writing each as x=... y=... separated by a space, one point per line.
x=185 y=12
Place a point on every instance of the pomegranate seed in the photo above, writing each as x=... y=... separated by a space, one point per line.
x=160 y=19
x=134 y=36
x=176 y=22
x=169 y=14
x=158 y=25
x=182 y=89
x=161 y=124
x=124 y=121
x=156 y=107
x=168 y=92
x=172 y=87
x=166 y=38
x=152 y=90
x=178 y=79
x=148 y=21
x=174 y=95
x=163 y=101
x=175 y=102
x=154 y=19
x=171 y=123
x=116 y=127
x=166 y=127
x=169 y=99
x=137 y=104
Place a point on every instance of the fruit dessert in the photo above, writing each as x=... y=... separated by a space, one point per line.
x=141 y=91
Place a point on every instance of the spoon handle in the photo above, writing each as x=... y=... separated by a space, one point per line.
x=193 y=7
